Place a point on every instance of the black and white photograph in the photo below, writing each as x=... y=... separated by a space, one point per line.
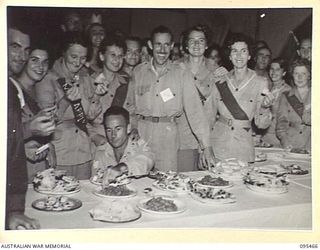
x=159 y=118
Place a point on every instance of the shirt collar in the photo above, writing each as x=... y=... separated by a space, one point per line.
x=167 y=69
x=20 y=92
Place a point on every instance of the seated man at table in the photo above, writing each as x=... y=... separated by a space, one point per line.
x=121 y=154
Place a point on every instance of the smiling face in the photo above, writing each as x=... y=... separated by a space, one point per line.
x=116 y=129
x=276 y=73
x=18 y=50
x=197 y=43
x=112 y=58
x=38 y=65
x=75 y=57
x=97 y=34
x=305 y=51
x=161 y=46
x=133 y=53
x=263 y=58
x=239 y=55
x=301 y=76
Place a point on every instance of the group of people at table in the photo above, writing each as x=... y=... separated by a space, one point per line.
x=103 y=105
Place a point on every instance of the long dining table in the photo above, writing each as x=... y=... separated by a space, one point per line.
x=252 y=210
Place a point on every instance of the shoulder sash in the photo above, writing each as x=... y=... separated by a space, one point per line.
x=230 y=102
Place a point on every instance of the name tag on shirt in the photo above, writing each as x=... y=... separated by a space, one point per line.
x=166 y=95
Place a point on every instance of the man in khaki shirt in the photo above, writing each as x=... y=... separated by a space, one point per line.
x=161 y=91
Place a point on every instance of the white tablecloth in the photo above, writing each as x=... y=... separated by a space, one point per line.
x=288 y=211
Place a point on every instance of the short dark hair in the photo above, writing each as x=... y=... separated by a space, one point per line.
x=110 y=40
x=261 y=48
x=211 y=48
x=300 y=62
x=282 y=63
x=161 y=29
x=116 y=110
x=239 y=37
x=134 y=38
x=89 y=28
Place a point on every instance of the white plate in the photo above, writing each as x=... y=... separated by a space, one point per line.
x=273 y=149
x=122 y=182
x=95 y=182
x=275 y=156
x=166 y=188
x=212 y=201
x=297 y=155
x=120 y=220
x=52 y=192
x=180 y=205
x=75 y=205
x=265 y=190
x=214 y=186
x=260 y=159
x=265 y=145
x=270 y=169
x=99 y=193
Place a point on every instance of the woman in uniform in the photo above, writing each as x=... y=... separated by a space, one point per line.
x=293 y=125
x=195 y=43
x=34 y=71
x=69 y=87
x=277 y=72
x=237 y=98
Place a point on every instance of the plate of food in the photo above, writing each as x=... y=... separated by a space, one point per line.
x=270 y=169
x=260 y=157
x=173 y=182
x=162 y=205
x=115 y=192
x=115 y=211
x=294 y=169
x=263 y=144
x=120 y=180
x=231 y=169
x=213 y=181
x=55 y=182
x=266 y=183
x=211 y=195
x=56 y=204
x=298 y=153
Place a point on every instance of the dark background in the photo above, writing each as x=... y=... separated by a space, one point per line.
x=273 y=26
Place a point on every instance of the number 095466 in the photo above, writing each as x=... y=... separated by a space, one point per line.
x=307 y=246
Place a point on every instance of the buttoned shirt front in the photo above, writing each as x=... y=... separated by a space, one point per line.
x=290 y=127
x=166 y=95
x=233 y=140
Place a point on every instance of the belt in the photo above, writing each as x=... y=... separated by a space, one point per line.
x=234 y=122
x=157 y=119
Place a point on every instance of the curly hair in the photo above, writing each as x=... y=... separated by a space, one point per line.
x=238 y=37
